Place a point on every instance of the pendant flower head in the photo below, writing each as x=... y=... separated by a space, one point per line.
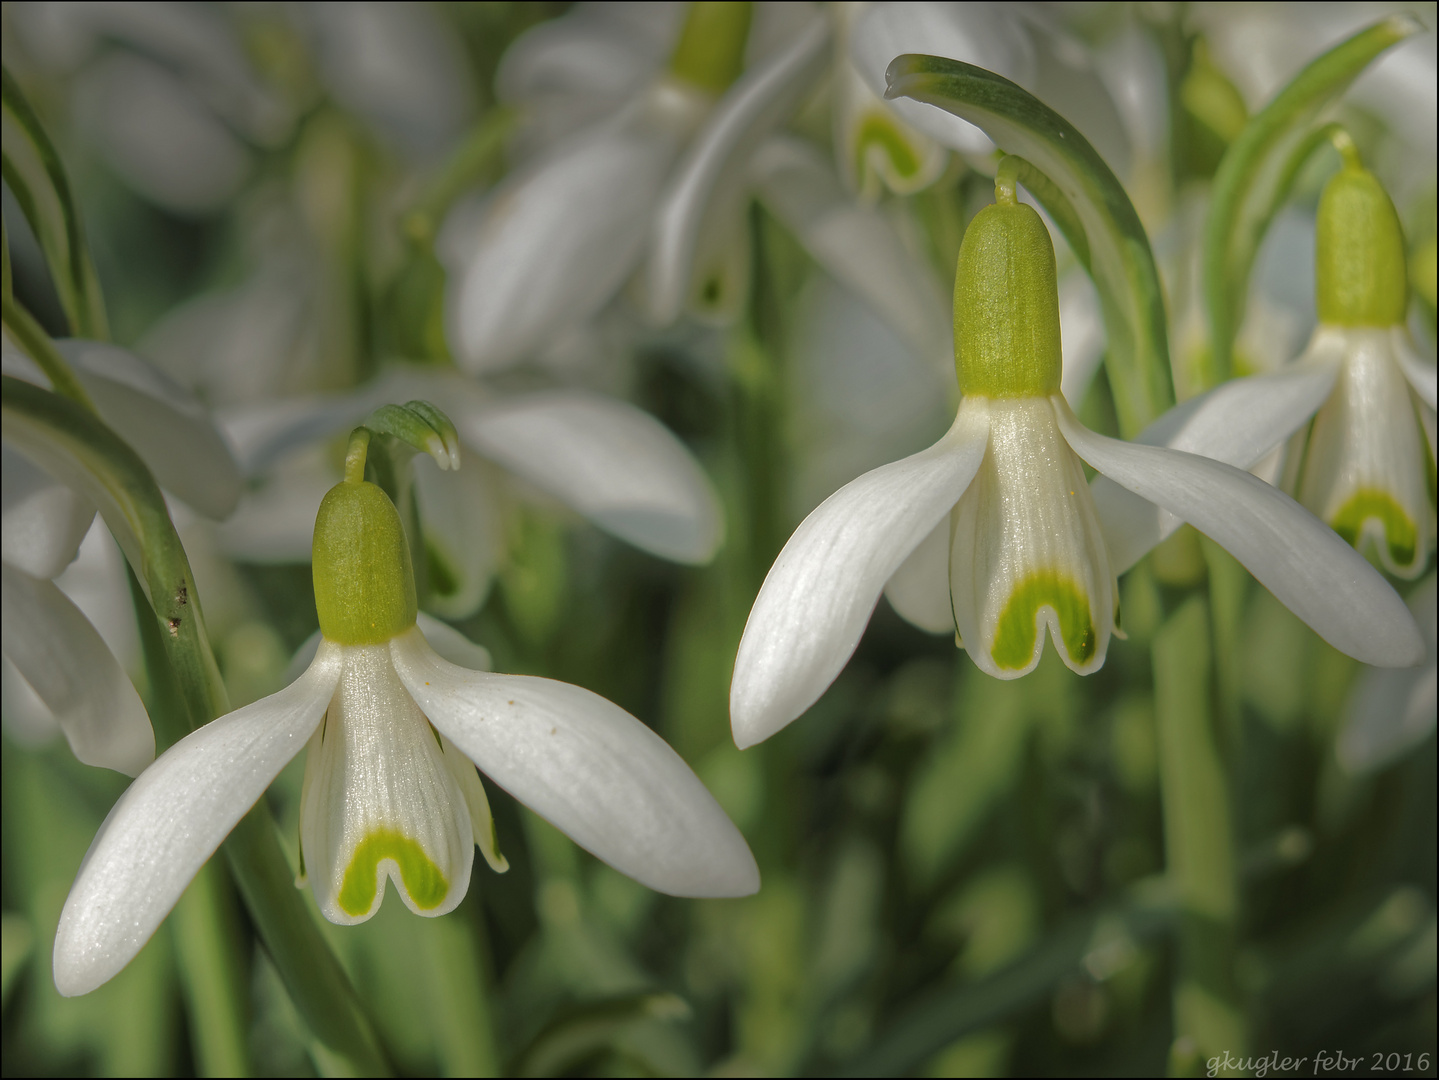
x=390 y=789
x=993 y=531
x=1363 y=467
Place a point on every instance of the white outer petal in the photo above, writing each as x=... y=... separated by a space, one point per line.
x=1081 y=329
x=857 y=244
x=1419 y=372
x=558 y=240
x=817 y=598
x=1237 y=422
x=589 y=768
x=42 y=522
x=615 y=464
x=1393 y=711
x=166 y=424
x=1290 y=552
x=73 y=672
x=919 y=589
x=715 y=164
x=171 y=820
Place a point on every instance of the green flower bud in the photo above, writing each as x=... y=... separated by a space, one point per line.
x=364 y=583
x=1360 y=274
x=710 y=53
x=1006 y=304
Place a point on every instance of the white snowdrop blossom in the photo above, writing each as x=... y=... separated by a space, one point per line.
x=56 y=662
x=993 y=532
x=390 y=789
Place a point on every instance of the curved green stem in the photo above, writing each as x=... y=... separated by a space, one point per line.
x=31 y=337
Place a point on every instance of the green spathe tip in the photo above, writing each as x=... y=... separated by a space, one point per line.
x=1006 y=304
x=1360 y=273
x=364 y=582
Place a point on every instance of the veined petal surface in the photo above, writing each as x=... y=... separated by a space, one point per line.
x=1364 y=468
x=817 y=598
x=615 y=464
x=73 y=672
x=1027 y=552
x=42 y=522
x=379 y=800
x=713 y=169
x=589 y=768
x=171 y=820
x=1237 y=422
x=1301 y=561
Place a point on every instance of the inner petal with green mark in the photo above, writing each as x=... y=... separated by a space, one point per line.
x=422 y=878
x=1370 y=504
x=1019 y=621
x=878 y=131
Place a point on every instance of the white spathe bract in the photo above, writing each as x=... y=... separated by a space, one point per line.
x=389 y=793
x=1024 y=554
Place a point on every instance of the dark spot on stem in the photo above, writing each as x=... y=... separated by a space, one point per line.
x=174 y=627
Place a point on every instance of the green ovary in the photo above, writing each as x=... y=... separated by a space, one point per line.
x=1014 y=642
x=423 y=881
x=876 y=130
x=1371 y=504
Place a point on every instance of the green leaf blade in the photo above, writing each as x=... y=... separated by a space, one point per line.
x=1118 y=253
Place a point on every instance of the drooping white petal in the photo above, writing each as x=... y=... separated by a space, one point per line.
x=713 y=169
x=856 y=244
x=589 y=768
x=1365 y=471
x=42 y=522
x=165 y=423
x=560 y=238
x=975 y=33
x=593 y=52
x=1392 y=711
x=817 y=598
x=67 y=664
x=379 y=800
x=613 y=463
x=1237 y=422
x=919 y=589
x=1419 y=372
x=459 y=519
x=1295 y=556
x=172 y=819
x=1026 y=551
x=453 y=645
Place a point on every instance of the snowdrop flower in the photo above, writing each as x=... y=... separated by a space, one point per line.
x=993 y=532
x=56 y=662
x=390 y=790
x=613 y=463
x=1363 y=463
x=658 y=179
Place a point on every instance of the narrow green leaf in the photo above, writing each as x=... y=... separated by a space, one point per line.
x=36 y=175
x=31 y=337
x=1257 y=171
x=1088 y=203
